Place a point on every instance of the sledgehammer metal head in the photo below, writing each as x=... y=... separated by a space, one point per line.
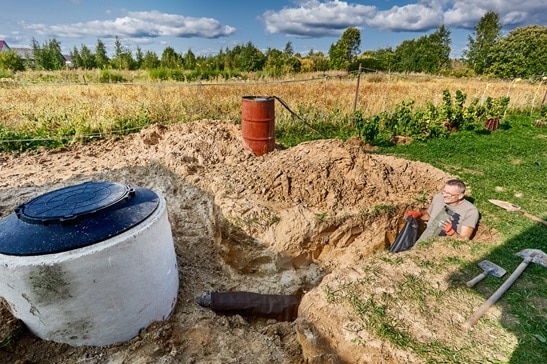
x=488 y=268
x=534 y=256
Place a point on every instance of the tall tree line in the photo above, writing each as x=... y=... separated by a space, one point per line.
x=520 y=53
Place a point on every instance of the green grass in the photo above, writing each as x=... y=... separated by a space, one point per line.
x=509 y=164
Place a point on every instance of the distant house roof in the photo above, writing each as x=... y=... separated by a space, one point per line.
x=68 y=60
x=24 y=53
x=4 y=46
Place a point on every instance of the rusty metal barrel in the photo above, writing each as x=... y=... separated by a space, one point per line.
x=258 y=124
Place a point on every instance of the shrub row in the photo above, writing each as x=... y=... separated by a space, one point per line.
x=433 y=121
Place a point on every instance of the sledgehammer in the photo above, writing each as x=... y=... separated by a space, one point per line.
x=530 y=256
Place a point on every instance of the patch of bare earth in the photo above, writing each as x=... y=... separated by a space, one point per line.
x=302 y=219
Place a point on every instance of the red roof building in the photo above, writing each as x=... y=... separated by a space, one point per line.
x=4 y=46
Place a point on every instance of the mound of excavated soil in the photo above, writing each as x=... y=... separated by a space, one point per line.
x=277 y=224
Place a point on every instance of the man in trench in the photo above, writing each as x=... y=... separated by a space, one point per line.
x=461 y=215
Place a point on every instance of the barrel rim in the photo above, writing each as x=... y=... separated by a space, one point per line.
x=258 y=98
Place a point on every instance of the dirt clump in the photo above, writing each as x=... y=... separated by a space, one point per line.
x=275 y=224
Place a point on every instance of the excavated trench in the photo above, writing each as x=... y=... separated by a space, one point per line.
x=274 y=224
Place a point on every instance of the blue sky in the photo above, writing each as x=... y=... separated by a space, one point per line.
x=206 y=26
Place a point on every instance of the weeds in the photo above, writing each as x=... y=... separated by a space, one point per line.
x=379 y=209
x=97 y=102
x=377 y=314
x=321 y=217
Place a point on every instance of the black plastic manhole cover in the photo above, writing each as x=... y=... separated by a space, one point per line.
x=74 y=217
x=72 y=203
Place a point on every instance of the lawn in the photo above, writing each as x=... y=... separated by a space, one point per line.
x=509 y=164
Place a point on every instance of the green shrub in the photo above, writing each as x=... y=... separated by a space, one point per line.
x=368 y=129
x=160 y=73
x=107 y=76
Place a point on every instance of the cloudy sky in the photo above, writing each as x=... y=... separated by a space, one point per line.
x=206 y=26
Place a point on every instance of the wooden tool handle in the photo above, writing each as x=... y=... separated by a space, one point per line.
x=535 y=218
x=496 y=295
x=476 y=280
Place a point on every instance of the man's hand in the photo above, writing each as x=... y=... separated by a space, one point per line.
x=448 y=230
x=414 y=214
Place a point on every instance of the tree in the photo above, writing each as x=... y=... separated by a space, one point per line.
x=218 y=61
x=319 y=62
x=48 y=56
x=521 y=53
x=485 y=35
x=171 y=59
x=11 y=61
x=337 y=59
x=274 y=62
x=150 y=60
x=76 y=59
x=289 y=50
x=345 y=49
x=122 y=57
x=228 y=59
x=190 y=60
x=429 y=53
x=436 y=52
x=139 y=58
x=386 y=58
x=292 y=64
x=87 y=58
x=248 y=58
x=101 y=58
x=406 y=56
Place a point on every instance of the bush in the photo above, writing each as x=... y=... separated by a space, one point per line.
x=368 y=129
x=161 y=73
x=107 y=76
x=432 y=122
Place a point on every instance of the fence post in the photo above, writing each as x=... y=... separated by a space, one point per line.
x=356 y=93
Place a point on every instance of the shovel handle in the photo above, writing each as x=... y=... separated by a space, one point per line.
x=496 y=295
x=535 y=218
x=476 y=280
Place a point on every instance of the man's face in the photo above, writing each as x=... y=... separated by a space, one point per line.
x=451 y=194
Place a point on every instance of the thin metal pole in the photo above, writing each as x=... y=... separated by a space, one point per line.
x=356 y=93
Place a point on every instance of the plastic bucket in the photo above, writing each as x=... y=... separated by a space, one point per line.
x=258 y=124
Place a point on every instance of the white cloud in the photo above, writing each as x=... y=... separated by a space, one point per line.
x=467 y=13
x=314 y=18
x=318 y=18
x=412 y=17
x=151 y=24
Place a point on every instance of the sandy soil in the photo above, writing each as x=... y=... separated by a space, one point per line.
x=290 y=221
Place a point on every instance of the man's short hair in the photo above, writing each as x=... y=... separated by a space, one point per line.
x=458 y=183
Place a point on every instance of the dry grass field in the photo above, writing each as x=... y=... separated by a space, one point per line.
x=75 y=102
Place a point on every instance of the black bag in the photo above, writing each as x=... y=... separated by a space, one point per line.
x=407 y=236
